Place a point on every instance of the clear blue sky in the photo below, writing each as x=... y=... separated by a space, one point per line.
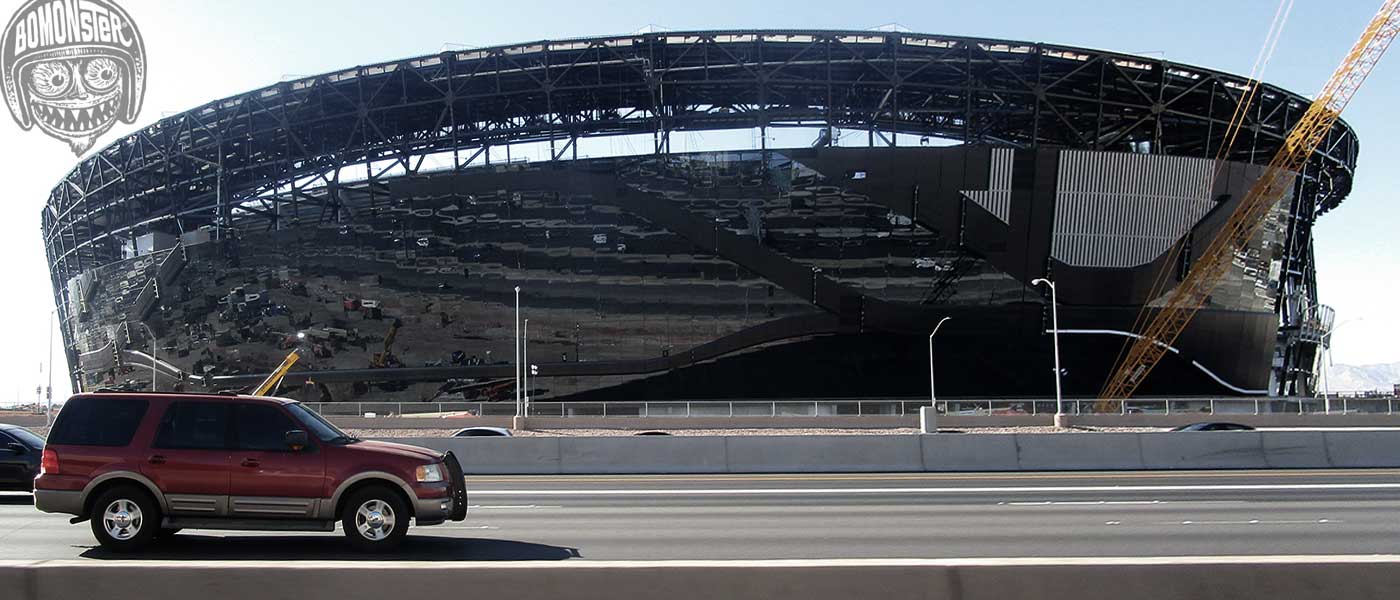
x=202 y=50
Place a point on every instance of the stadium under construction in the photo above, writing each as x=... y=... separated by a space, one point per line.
x=386 y=220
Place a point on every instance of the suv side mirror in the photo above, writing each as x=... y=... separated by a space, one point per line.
x=17 y=449
x=295 y=440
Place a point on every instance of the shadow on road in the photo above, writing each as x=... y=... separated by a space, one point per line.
x=16 y=500
x=427 y=548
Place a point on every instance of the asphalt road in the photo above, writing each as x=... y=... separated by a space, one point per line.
x=838 y=516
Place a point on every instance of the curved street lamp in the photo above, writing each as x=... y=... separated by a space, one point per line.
x=1055 y=324
x=517 y=351
x=1327 y=363
x=933 y=398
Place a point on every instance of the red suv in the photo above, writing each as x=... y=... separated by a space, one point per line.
x=142 y=466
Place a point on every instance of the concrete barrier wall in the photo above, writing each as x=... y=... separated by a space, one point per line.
x=1295 y=578
x=834 y=453
x=1347 y=449
x=918 y=453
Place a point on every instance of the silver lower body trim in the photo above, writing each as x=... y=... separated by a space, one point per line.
x=59 y=501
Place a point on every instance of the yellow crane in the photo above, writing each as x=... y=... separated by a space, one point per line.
x=1208 y=271
x=381 y=360
x=269 y=384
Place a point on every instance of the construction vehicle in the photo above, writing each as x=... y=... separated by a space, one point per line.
x=386 y=358
x=1162 y=329
x=270 y=384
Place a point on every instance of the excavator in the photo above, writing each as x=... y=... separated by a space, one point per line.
x=386 y=358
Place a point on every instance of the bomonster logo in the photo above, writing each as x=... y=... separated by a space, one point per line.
x=73 y=67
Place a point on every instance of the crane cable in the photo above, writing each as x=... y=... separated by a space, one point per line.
x=1237 y=119
x=1244 y=222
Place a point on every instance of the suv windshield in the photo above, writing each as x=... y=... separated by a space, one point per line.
x=319 y=426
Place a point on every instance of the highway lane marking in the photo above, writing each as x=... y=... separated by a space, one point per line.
x=937 y=477
x=1082 y=503
x=1243 y=487
x=1253 y=522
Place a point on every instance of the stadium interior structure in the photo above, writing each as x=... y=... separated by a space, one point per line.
x=692 y=215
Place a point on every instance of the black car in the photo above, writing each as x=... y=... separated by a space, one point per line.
x=1214 y=426
x=482 y=432
x=20 y=451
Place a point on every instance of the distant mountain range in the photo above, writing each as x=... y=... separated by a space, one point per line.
x=1354 y=378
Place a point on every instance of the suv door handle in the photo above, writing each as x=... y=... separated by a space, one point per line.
x=156 y=460
x=250 y=462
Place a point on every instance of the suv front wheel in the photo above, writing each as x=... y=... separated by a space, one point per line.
x=125 y=519
x=374 y=519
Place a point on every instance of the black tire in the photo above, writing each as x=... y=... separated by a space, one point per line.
x=375 y=519
x=134 y=522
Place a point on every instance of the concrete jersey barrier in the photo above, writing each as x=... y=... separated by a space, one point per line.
x=1295 y=578
x=922 y=453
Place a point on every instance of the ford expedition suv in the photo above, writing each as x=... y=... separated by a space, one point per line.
x=142 y=466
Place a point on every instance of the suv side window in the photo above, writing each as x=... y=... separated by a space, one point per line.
x=261 y=427
x=97 y=421
x=194 y=426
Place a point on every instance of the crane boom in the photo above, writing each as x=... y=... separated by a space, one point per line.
x=1208 y=271
x=276 y=376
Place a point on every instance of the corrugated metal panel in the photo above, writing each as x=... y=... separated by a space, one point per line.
x=996 y=199
x=1124 y=210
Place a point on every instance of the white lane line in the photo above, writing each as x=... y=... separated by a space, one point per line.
x=1253 y=522
x=1081 y=503
x=1261 y=487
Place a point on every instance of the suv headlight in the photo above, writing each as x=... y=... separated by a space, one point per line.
x=429 y=473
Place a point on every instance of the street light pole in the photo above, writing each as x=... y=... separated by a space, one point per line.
x=1055 y=324
x=48 y=393
x=933 y=397
x=525 y=365
x=1327 y=362
x=517 y=351
x=153 y=354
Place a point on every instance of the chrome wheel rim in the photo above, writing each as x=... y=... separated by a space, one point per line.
x=374 y=520
x=122 y=519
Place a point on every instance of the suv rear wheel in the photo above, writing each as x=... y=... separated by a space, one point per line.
x=374 y=519
x=125 y=519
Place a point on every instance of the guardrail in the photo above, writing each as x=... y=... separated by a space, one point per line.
x=835 y=407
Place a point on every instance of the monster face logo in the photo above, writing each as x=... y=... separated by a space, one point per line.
x=73 y=67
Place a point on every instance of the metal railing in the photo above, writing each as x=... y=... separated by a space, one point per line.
x=836 y=407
